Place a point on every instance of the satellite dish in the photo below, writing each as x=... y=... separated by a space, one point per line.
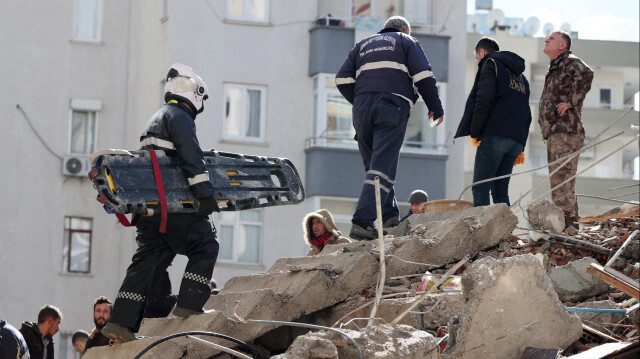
x=531 y=26
x=495 y=18
x=474 y=23
x=515 y=27
x=547 y=29
x=566 y=27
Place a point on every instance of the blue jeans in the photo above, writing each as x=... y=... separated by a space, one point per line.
x=380 y=120
x=494 y=158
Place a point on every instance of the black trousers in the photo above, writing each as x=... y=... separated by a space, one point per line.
x=187 y=234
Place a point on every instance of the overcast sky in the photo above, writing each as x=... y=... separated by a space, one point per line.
x=592 y=19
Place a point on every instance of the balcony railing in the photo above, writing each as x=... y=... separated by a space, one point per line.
x=349 y=143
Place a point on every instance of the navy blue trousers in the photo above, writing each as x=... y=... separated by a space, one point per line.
x=380 y=121
x=494 y=158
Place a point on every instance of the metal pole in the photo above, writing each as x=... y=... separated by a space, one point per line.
x=604 y=198
x=382 y=272
x=626 y=243
x=621 y=187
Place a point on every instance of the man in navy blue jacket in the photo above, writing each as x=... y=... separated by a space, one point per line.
x=378 y=78
x=497 y=115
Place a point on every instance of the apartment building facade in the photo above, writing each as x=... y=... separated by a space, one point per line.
x=87 y=74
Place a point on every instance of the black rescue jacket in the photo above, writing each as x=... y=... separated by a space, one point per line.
x=172 y=129
x=498 y=103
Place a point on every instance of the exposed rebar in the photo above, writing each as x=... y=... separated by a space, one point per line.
x=382 y=271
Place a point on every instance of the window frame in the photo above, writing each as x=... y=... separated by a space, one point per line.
x=92 y=116
x=97 y=25
x=263 y=113
x=246 y=5
x=236 y=223
x=604 y=104
x=67 y=247
x=321 y=94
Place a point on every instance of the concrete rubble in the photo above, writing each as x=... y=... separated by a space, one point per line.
x=381 y=342
x=510 y=295
x=511 y=304
x=573 y=283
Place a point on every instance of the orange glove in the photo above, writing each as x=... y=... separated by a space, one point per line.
x=519 y=160
x=476 y=141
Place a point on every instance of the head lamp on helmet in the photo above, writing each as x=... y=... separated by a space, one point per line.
x=183 y=84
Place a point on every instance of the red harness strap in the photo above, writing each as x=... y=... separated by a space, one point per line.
x=160 y=186
x=125 y=222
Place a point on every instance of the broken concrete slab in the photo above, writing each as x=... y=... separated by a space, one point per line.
x=311 y=283
x=444 y=237
x=380 y=342
x=510 y=305
x=573 y=283
x=544 y=215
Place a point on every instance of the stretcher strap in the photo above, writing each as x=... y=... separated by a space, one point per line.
x=160 y=186
x=124 y=221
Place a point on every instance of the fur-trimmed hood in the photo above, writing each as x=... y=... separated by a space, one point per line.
x=326 y=218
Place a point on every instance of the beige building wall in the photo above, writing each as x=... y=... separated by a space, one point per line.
x=123 y=72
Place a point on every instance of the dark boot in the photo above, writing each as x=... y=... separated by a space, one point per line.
x=118 y=333
x=570 y=222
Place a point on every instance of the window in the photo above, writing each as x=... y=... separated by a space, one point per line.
x=83 y=127
x=240 y=236
x=416 y=11
x=332 y=113
x=245 y=112
x=248 y=10
x=76 y=246
x=605 y=98
x=83 y=132
x=332 y=120
x=88 y=22
x=420 y=135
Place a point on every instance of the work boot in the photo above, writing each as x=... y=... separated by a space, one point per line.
x=118 y=333
x=569 y=222
x=391 y=222
x=360 y=233
x=186 y=313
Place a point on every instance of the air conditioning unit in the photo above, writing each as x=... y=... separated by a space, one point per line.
x=76 y=165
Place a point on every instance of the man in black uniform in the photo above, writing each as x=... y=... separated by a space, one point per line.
x=172 y=129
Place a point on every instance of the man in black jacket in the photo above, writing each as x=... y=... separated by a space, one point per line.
x=172 y=129
x=497 y=117
x=102 y=308
x=39 y=336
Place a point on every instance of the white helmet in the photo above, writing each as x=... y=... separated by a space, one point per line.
x=184 y=84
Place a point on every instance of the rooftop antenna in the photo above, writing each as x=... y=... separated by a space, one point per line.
x=531 y=26
x=547 y=29
x=516 y=27
x=495 y=18
x=474 y=23
x=566 y=27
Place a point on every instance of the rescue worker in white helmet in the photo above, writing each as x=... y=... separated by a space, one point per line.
x=172 y=129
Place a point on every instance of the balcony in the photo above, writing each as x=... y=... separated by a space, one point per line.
x=329 y=46
x=338 y=171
